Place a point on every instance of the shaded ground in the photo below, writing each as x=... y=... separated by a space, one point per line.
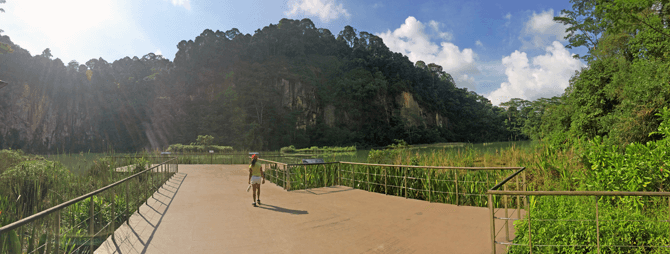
x=206 y=209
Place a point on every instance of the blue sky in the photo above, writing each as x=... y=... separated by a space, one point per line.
x=501 y=50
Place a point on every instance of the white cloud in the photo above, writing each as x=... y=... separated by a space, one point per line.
x=158 y=52
x=508 y=17
x=326 y=10
x=378 y=5
x=185 y=3
x=546 y=76
x=412 y=40
x=436 y=27
x=479 y=43
x=541 y=29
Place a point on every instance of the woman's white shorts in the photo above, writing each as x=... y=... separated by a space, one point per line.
x=255 y=180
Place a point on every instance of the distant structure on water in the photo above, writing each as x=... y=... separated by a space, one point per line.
x=3 y=84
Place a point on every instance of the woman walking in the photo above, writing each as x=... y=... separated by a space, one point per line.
x=255 y=174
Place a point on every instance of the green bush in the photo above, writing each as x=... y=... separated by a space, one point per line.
x=624 y=221
x=32 y=181
x=288 y=149
x=193 y=148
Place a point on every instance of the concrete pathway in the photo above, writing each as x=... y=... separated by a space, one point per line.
x=206 y=209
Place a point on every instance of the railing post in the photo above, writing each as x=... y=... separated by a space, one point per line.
x=339 y=175
x=493 y=225
x=368 y=169
x=91 y=229
x=506 y=215
x=324 y=175
x=57 y=231
x=405 y=182
x=127 y=209
x=353 y=177
x=597 y=227
x=113 y=225
x=518 y=201
x=385 y=177
x=456 y=180
x=430 y=190
x=530 y=237
x=304 y=177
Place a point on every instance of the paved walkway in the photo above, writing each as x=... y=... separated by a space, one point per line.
x=206 y=209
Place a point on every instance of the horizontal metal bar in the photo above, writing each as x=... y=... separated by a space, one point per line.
x=299 y=164
x=46 y=212
x=445 y=192
x=579 y=193
x=472 y=194
x=636 y=246
x=431 y=167
x=576 y=245
x=503 y=218
x=269 y=161
x=507 y=243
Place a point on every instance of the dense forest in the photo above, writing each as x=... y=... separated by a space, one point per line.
x=623 y=88
x=288 y=84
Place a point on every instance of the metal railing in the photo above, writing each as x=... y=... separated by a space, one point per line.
x=591 y=242
x=60 y=229
x=275 y=172
x=454 y=185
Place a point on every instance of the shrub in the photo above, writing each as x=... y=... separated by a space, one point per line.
x=31 y=181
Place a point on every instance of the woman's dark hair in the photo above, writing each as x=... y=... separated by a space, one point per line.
x=253 y=162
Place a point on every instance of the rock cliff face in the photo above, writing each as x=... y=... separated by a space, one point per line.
x=38 y=119
x=31 y=115
x=416 y=115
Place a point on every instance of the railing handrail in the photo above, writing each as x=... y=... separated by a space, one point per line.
x=579 y=193
x=320 y=163
x=58 y=207
x=433 y=167
x=272 y=161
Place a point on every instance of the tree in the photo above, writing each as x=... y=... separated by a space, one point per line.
x=348 y=35
x=47 y=53
x=585 y=19
x=205 y=140
x=626 y=15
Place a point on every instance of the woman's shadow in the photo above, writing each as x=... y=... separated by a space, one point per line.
x=281 y=209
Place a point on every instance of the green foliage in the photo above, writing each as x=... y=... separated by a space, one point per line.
x=399 y=144
x=624 y=221
x=205 y=140
x=9 y=158
x=30 y=183
x=570 y=220
x=639 y=168
x=584 y=25
x=316 y=149
x=179 y=148
x=288 y=149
